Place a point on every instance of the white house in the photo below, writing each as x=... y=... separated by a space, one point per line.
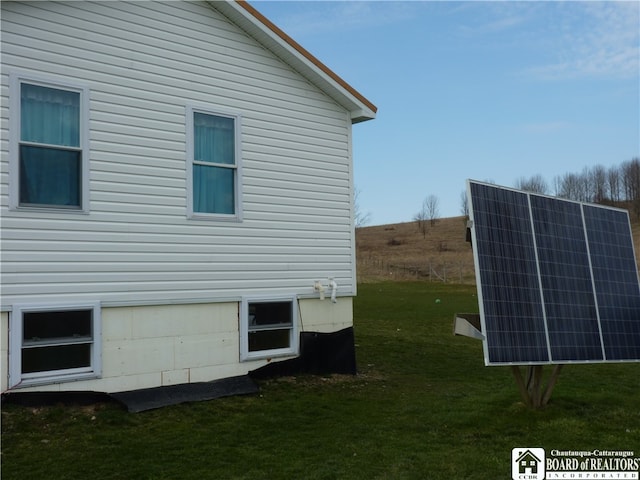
x=176 y=194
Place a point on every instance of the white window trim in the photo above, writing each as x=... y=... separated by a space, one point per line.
x=17 y=379
x=15 y=80
x=237 y=118
x=245 y=354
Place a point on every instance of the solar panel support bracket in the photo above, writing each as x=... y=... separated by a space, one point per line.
x=468 y=324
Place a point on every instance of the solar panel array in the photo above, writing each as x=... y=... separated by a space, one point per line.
x=557 y=279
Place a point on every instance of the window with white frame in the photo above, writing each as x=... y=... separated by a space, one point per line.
x=213 y=146
x=268 y=328
x=49 y=145
x=54 y=344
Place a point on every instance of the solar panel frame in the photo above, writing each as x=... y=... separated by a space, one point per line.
x=544 y=269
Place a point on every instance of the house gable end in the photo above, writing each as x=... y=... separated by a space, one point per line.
x=145 y=66
x=297 y=57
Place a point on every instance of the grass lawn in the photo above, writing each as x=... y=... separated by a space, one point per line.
x=422 y=406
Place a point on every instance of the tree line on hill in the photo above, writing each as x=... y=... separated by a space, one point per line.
x=597 y=184
x=616 y=186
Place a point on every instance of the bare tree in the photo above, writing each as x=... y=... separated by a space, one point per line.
x=571 y=187
x=428 y=214
x=598 y=183
x=613 y=182
x=360 y=218
x=631 y=183
x=557 y=185
x=631 y=179
x=535 y=184
x=464 y=203
x=432 y=204
x=421 y=219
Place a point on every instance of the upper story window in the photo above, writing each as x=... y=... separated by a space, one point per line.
x=49 y=160
x=213 y=165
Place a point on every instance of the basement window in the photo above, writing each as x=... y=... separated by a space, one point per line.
x=268 y=328
x=51 y=345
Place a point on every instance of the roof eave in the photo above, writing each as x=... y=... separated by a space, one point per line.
x=292 y=53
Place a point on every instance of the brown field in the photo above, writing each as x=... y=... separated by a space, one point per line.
x=401 y=252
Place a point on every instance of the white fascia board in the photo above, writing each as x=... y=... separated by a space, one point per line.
x=243 y=18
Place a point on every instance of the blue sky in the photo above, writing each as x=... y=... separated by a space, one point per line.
x=485 y=90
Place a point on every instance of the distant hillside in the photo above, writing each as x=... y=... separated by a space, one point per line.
x=401 y=252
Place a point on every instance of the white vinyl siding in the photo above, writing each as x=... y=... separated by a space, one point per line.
x=145 y=63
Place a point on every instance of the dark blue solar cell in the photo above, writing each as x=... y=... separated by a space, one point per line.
x=616 y=280
x=513 y=317
x=567 y=289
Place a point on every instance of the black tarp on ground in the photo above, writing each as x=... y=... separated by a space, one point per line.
x=320 y=354
x=140 y=400
x=150 y=398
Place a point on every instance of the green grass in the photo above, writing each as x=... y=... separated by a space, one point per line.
x=422 y=406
